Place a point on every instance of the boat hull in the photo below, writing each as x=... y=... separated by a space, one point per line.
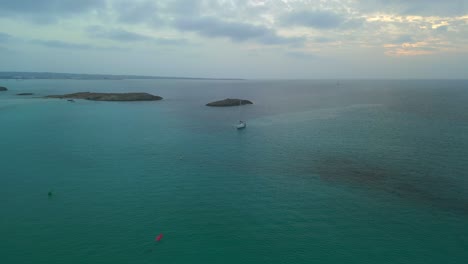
x=241 y=126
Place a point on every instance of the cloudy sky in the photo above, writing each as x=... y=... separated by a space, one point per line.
x=238 y=38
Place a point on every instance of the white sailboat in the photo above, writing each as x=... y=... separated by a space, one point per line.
x=241 y=124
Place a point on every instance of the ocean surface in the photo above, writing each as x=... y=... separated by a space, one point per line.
x=361 y=172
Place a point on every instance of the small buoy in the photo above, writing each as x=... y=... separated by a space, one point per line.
x=49 y=193
x=159 y=237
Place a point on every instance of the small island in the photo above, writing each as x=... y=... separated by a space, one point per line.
x=2 y=89
x=109 y=96
x=25 y=94
x=229 y=102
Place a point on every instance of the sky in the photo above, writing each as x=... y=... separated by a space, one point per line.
x=254 y=39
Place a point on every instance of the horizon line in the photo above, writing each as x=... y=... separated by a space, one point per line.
x=7 y=75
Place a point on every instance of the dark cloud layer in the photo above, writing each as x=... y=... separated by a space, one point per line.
x=417 y=7
x=323 y=40
x=137 y=12
x=122 y=35
x=403 y=39
x=4 y=37
x=47 y=11
x=49 y=6
x=171 y=41
x=236 y=31
x=115 y=34
x=302 y=55
x=315 y=19
x=61 y=44
x=322 y=20
x=213 y=27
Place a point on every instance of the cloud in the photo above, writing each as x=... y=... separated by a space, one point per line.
x=403 y=39
x=271 y=38
x=116 y=34
x=47 y=11
x=323 y=40
x=315 y=19
x=136 y=12
x=416 y=7
x=121 y=35
x=171 y=41
x=185 y=8
x=301 y=55
x=213 y=27
x=236 y=31
x=425 y=47
x=442 y=28
x=4 y=37
x=64 y=6
x=61 y=44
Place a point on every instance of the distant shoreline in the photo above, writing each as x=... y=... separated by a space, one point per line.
x=77 y=76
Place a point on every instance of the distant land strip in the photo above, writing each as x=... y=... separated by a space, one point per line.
x=76 y=76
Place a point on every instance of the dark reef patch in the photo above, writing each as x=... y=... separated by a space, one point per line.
x=428 y=190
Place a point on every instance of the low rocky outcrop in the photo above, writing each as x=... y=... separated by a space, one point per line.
x=25 y=94
x=109 y=96
x=230 y=102
x=2 y=89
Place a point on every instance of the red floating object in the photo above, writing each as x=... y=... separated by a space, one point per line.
x=159 y=237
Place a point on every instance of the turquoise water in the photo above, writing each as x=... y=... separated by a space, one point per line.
x=364 y=172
